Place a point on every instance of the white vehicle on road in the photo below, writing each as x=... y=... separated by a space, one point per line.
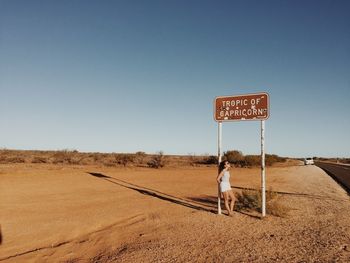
x=308 y=161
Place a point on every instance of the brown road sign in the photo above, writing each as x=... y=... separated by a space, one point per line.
x=242 y=107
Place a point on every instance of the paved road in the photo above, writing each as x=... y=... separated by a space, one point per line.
x=340 y=173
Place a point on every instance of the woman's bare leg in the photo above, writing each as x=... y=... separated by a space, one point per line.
x=226 y=195
x=233 y=200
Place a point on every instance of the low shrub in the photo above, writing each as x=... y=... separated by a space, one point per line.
x=251 y=160
x=157 y=161
x=3 y=159
x=234 y=157
x=140 y=157
x=239 y=160
x=251 y=200
x=124 y=159
x=66 y=157
x=270 y=159
x=14 y=159
x=38 y=159
x=208 y=159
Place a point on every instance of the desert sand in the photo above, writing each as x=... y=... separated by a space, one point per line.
x=62 y=213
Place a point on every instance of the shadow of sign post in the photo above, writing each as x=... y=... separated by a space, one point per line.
x=246 y=107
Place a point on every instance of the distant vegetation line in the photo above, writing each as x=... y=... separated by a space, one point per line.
x=240 y=160
x=138 y=159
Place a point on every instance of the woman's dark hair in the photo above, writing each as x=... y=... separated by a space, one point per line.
x=222 y=166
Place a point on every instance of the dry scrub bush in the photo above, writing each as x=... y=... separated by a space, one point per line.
x=239 y=160
x=157 y=161
x=61 y=157
x=234 y=157
x=208 y=159
x=124 y=159
x=11 y=156
x=251 y=160
x=140 y=157
x=119 y=159
x=67 y=157
x=14 y=159
x=3 y=159
x=270 y=159
x=38 y=159
x=277 y=208
x=251 y=200
x=95 y=156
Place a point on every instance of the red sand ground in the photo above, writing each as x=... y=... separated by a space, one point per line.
x=53 y=213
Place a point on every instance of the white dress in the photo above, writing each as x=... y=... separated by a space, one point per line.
x=225 y=182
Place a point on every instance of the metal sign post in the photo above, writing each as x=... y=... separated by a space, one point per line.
x=219 y=161
x=263 y=188
x=243 y=108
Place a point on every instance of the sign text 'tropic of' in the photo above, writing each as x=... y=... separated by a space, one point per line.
x=242 y=107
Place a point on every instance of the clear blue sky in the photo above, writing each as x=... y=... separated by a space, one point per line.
x=127 y=76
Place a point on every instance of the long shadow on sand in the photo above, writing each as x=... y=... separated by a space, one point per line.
x=204 y=203
x=212 y=201
x=156 y=194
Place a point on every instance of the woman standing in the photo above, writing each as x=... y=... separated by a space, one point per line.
x=223 y=180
